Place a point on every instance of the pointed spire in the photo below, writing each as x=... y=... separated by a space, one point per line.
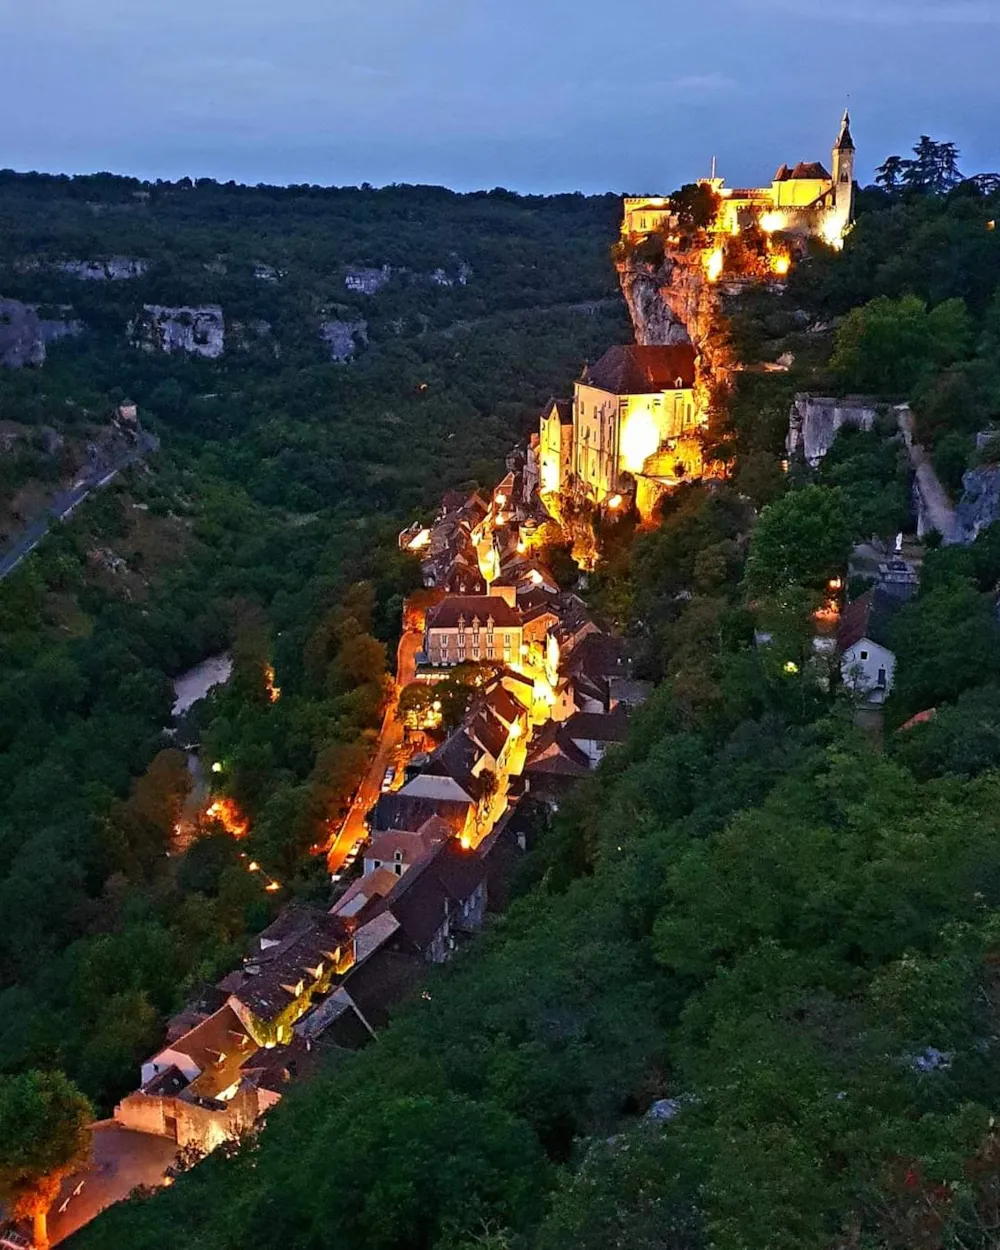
x=845 y=143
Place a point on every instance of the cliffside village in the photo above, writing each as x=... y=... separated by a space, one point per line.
x=553 y=693
x=553 y=696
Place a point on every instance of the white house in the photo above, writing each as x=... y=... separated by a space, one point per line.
x=867 y=663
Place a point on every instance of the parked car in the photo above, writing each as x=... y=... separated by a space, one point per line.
x=388 y=779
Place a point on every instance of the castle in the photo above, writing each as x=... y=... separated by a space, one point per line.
x=805 y=200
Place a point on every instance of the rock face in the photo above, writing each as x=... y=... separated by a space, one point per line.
x=441 y=277
x=368 y=281
x=196 y=331
x=342 y=337
x=114 y=269
x=675 y=303
x=24 y=334
x=814 y=421
x=980 y=502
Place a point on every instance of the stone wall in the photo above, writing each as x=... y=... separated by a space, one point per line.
x=814 y=421
x=188 y=1123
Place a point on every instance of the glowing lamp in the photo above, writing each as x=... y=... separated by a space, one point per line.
x=791 y=668
x=782 y=264
x=770 y=222
x=273 y=887
x=216 y=767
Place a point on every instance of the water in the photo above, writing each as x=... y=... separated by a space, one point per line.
x=198 y=681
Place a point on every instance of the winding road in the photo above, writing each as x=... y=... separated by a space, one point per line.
x=65 y=503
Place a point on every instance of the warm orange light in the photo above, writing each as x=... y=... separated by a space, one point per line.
x=770 y=222
x=421 y=540
x=615 y=501
x=272 y=887
x=835 y=583
x=253 y=866
x=515 y=730
x=273 y=691
x=535 y=577
x=714 y=264
x=640 y=438
x=466 y=842
x=782 y=264
x=521 y=548
x=227 y=813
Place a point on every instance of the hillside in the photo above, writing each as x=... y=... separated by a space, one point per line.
x=746 y=994
x=265 y=525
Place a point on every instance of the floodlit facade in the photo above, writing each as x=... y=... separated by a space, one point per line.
x=804 y=199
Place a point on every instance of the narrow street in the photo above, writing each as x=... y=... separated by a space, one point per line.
x=389 y=740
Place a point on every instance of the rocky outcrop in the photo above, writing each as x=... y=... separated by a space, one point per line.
x=342 y=338
x=366 y=281
x=815 y=419
x=676 y=303
x=194 y=331
x=979 y=506
x=24 y=334
x=441 y=277
x=114 y=269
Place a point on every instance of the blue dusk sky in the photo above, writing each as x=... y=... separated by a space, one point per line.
x=536 y=95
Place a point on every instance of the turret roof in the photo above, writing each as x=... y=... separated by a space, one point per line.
x=845 y=141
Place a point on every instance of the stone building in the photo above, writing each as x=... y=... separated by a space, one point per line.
x=629 y=407
x=473 y=629
x=804 y=199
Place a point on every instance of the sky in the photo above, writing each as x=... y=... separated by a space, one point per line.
x=535 y=95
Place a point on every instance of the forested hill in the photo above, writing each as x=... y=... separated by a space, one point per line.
x=265 y=525
x=747 y=994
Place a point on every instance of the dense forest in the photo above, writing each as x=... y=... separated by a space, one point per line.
x=784 y=927
x=265 y=525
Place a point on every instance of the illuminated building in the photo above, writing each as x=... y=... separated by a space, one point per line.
x=803 y=199
x=555 y=446
x=626 y=409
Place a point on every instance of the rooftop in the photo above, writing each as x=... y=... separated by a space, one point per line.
x=635 y=370
x=469 y=608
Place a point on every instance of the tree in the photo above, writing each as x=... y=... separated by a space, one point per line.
x=935 y=167
x=801 y=540
x=891 y=174
x=888 y=345
x=43 y=1134
x=695 y=206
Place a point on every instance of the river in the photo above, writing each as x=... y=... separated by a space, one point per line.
x=198 y=681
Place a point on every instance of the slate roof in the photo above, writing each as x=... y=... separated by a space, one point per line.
x=597 y=727
x=410 y=811
x=554 y=752
x=635 y=370
x=218 y=1047
x=303 y=938
x=845 y=142
x=563 y=410
x=446 y=614
x=429 y=890
x=489 y=731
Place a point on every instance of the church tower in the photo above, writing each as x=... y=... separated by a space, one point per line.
x=843 y=174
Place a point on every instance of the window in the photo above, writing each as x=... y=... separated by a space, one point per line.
x=864 y=655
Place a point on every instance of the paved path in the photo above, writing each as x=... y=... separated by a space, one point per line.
x=389 y=739
x=940 y=515
x=65 y=503
x=119 y=1161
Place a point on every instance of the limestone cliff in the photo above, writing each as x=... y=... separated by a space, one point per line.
x=980 y=502
x=815 y=419
x=676 y=303
x=24 y=334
